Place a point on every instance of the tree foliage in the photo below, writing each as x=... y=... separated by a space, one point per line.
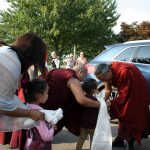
x=87 y=24
x=134 y=31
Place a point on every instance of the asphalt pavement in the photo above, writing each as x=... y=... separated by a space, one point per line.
x=67 y=141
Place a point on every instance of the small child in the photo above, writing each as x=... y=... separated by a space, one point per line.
x=40 y=136
x=88 y=114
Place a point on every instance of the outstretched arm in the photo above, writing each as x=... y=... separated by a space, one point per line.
x=108 y=90
x=77 y=91
x=33 y=114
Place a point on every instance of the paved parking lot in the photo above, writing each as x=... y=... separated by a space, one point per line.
x=67 y=141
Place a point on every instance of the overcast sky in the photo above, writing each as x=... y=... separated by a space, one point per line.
x=130 y=11
x=3 y=4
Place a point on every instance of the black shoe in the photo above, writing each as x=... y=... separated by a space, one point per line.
x=130 y=147
x=130 y=144
x=118 y=142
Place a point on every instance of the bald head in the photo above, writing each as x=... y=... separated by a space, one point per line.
x=81 y=71
x=53 y=54
x=80 y=67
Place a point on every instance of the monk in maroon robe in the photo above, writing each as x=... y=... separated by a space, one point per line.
x=66 y=92
x=131 y=104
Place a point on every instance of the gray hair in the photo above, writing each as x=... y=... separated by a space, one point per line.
x=102 y=68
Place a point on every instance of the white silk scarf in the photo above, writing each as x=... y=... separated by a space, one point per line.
x=102 y=139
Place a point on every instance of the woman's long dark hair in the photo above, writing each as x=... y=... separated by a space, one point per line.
x=2 y=43
x=32 y=50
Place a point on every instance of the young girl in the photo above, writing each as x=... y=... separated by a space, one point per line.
x=89 y=114
x=40 y=136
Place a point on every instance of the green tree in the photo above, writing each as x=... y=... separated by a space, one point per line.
x=87 y=24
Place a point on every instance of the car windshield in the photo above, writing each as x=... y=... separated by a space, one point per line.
x=109 y=53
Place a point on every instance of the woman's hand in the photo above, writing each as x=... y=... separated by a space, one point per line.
x=36 y=114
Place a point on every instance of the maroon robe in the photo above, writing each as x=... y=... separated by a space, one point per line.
x=131 y=106
x=89 y=115
x=60 y=96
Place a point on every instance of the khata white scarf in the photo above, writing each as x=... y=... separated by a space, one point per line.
x=102 y=139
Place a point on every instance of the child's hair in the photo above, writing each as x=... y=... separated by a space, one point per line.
x=32 y=88
x=89 y=85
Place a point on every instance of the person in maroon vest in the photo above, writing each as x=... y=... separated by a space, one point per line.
x=88 y=115
x=65 y=92
x=130 y=107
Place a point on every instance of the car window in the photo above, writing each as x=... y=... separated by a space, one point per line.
x=143 y=55
x=125 y=55
x=109 y=53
